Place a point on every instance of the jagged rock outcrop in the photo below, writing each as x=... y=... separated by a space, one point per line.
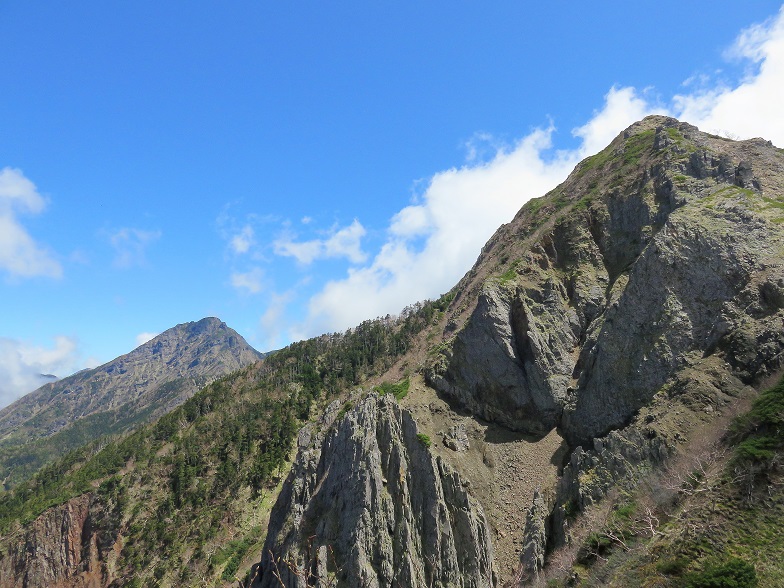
x=367 y=504
x=511 y=367
x=70 y=545
x=672 y=246
x=456 y=438
x=132 y=389
x=535 y=538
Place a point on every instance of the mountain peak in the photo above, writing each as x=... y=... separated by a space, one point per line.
x=662 y=189
x=133 y=388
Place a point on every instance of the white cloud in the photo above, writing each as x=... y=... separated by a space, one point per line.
x=90 y=363
x=23 y=367
x=243 y=240
x=622 y=106
x=272 y=335
x=345 y=242
x=252 y=281
x=433 y=242
x=461 y=208
x=130 y=246
x=480 y=147
x=142 y=338
x=753 y=107
x=20 y=255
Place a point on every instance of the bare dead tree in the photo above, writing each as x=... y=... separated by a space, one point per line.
x=307 y=572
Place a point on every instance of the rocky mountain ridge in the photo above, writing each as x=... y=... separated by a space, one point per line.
x=134 y=388
x=610 y=331
x=653 y=277
x=571 y=343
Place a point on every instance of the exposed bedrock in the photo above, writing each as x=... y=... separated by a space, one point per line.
x=605 y=308
x=367 y=504
x=68 y=546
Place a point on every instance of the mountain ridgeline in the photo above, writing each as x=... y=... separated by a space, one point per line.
x=135 y=388
x=578 y=411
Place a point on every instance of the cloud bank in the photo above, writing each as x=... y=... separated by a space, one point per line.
x=431 y=243
x=24 y=367
x=20 y=255
x=753 y=107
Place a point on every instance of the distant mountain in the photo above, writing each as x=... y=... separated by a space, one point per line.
x=134 y=388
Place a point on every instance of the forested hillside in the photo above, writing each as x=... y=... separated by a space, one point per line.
x=185 y=498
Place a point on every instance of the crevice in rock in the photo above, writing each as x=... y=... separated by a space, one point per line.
x=518 y=320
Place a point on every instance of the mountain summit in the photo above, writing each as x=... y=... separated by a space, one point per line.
x=578 y=411
x=134 y=388
x=610 y=323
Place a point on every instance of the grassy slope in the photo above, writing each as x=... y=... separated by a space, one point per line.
x=21 y=457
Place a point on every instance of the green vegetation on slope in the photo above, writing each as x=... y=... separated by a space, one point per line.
x=187 y=493
x=759 y=434
x=399 y=390
x=117 y=397
x=20 y=459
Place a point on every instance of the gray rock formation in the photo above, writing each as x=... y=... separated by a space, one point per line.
x=535 y=538
x=456 y=438
x=509 y=365
x=367 y=504
x=672 y=247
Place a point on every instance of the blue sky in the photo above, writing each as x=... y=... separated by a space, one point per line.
x=294 y=168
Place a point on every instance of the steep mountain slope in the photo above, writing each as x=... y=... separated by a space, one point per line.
x=671 y=244
x=546 y=413
x=184 y=501
x=134 y=388
x=626 y=310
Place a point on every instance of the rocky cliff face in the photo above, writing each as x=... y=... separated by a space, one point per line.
x=72 y=545
x=671 y=247
x=649 y=284
x=367 y=504
x=134 y=388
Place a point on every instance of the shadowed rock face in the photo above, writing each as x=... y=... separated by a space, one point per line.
x=513 y=361
x=671 y=251
x=367 y=504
